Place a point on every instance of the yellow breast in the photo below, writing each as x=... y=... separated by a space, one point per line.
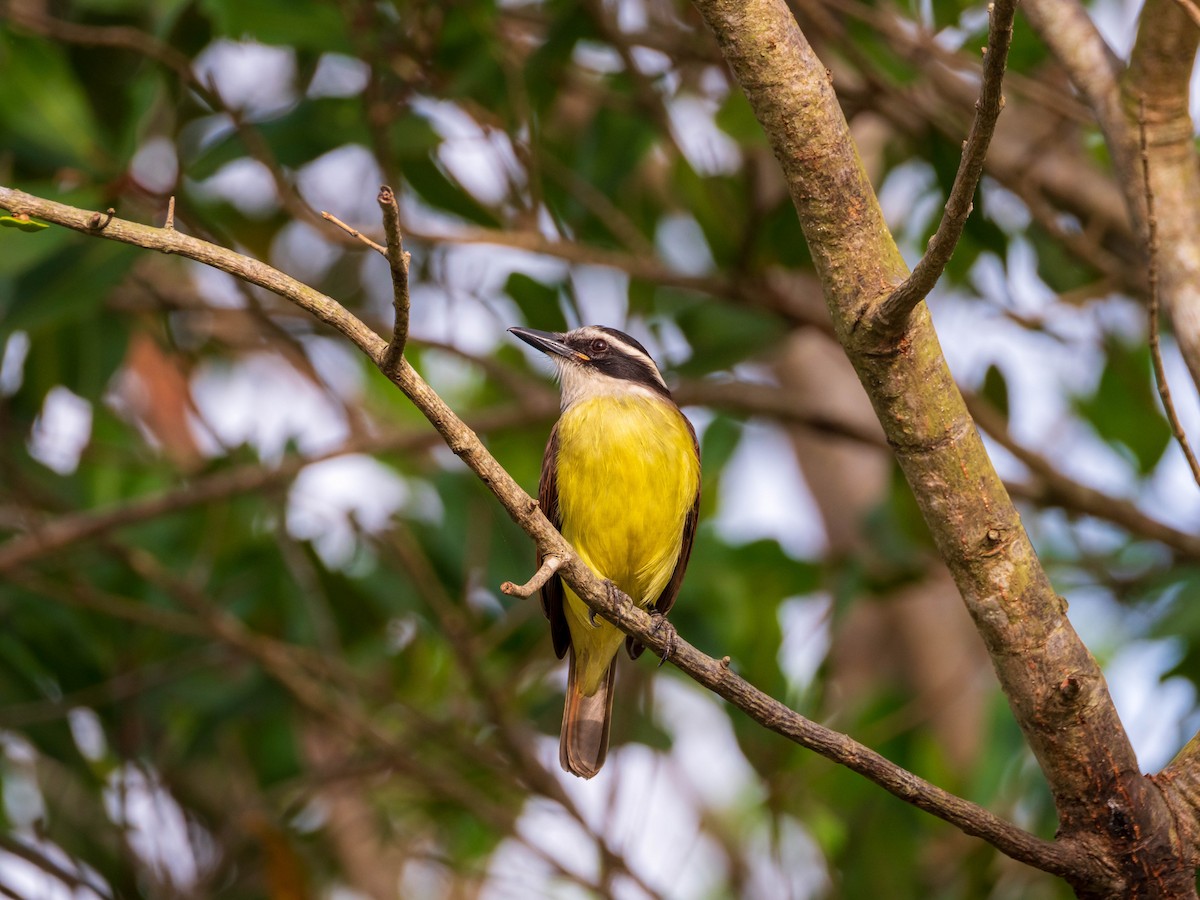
x=627 y=478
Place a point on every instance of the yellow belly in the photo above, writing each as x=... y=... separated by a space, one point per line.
x=627 y=478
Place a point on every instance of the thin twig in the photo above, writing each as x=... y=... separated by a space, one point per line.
x=353 y=232
x=1160 y=372
x=1061 y=857
x=549 y=566
x=46 y=538
x=890 y=316
x=398 y=259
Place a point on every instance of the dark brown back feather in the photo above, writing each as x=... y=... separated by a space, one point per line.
x=552 y=591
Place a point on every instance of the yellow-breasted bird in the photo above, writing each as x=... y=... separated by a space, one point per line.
x=621 y=481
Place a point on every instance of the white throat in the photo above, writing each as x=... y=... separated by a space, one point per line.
x=579 y=383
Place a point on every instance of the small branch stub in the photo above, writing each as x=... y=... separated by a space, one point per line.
x=398 y=260
x=550 y=565
x=354 y=232
x=99 y=222
x=890 y=315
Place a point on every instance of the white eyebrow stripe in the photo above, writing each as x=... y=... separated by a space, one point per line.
x=589 y=331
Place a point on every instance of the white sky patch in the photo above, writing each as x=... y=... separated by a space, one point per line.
x=246 y=184
x=61 y=431
x=25 y=879
x=670 y=344
x=253 y=78
x=23 y=803
x=1005 y=208
x=682 y=245
x=909 y=198
x=338 y=75
x=155 y=826
x=806 y=623
x=784 y=861
x=708 y=149
x=345 y=181
x=330 y=502
x=703 y=744
x=602 y=295
x=481 y=160
x=88 y=733
x=649 y=61
x=302 y=252
x=155 y=165
x=259 y=401
x=763 y=495
x=216 y=287
x=1152 y=710
x=336 y=363
x=600 y=58
x=464 y=303
x=12 y=364
x=1117 y=20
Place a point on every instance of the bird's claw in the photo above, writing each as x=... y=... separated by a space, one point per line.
x=660 y=622
x=614 y=597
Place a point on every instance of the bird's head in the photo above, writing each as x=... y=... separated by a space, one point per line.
x=594 y=360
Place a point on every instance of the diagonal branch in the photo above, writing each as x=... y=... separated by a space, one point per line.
x=890 y=316
x=1061 y=857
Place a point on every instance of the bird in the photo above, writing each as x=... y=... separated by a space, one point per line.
x=620 y=480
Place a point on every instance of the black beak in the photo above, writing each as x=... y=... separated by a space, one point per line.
x=547 y=342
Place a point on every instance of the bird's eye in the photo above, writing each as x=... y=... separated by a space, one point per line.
x=599 y=345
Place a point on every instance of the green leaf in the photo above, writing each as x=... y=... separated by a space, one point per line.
x=317 y=27
x=45 y=116
x=1124 y=408
x=24 y=223
x=995 y=390
x=538 y=302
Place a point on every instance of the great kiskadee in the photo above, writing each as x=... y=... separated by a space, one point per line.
x=621 y=481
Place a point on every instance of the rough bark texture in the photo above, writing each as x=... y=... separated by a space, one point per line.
x=1056 y=690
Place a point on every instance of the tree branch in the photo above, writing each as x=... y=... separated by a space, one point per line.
x=398 y=259
x=1055 y=688
x=1062 y=857
x=1152 y=250
x=1156 y=96
x=890 y=316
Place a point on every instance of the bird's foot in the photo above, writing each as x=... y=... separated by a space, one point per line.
x=614 y=597
x=660 y=624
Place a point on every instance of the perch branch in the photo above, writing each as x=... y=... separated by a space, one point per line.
x=1063 y=857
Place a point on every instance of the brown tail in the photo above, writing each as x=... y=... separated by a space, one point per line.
x=583 y=743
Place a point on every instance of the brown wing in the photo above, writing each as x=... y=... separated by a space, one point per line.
x=552 y=591
x=667 y=598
